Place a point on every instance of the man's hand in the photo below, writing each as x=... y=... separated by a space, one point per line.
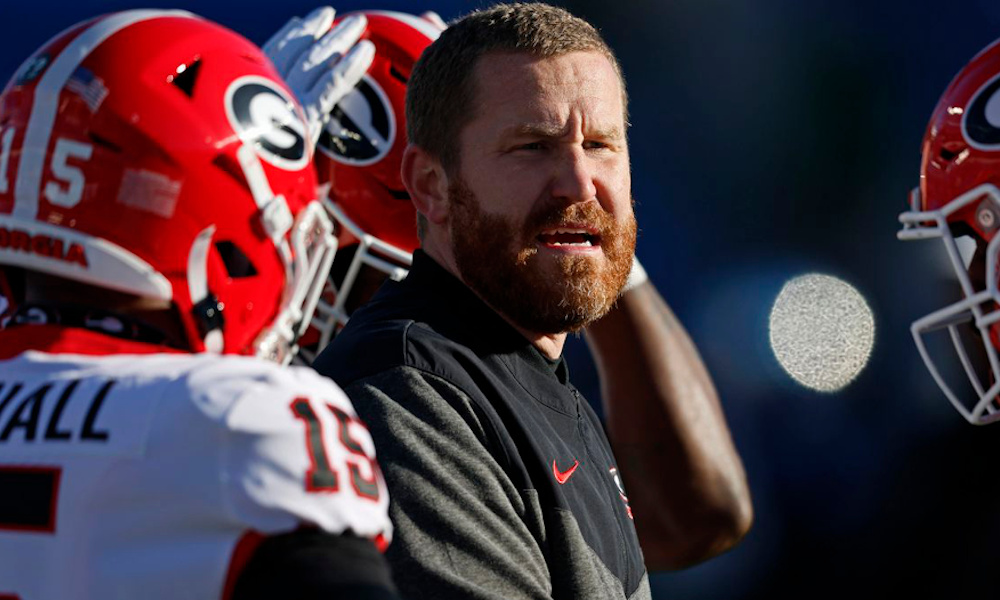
x=320 y=65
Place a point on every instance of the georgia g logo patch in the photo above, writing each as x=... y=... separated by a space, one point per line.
x=362 y=126
x=265 y=118
x=981 y=121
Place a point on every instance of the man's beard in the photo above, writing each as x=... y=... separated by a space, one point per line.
x=501 y=264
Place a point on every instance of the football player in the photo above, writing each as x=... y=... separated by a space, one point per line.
x=358 y=156
x=160 y=231
x=958 y=201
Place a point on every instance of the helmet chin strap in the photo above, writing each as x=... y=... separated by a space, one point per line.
x=275 y=214
x=277 y=220
x=206 y=306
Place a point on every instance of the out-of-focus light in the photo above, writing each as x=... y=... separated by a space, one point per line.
x=822 y=331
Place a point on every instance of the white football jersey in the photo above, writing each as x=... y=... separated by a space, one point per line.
x=137 y=476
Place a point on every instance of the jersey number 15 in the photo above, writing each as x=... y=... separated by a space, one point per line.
x=321 y=477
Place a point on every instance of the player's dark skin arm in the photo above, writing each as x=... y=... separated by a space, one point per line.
x=684 y=478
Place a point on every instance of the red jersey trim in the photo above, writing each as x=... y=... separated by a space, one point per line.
x=58 y=339
x=242 y=553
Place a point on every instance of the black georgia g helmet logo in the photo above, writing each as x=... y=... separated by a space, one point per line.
x=981 y=121
x=362 y=126
x=265 y=117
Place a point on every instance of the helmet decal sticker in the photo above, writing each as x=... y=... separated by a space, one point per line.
x=88 y=86
x=267 y=119
x=149 y=191
x=362 y=126
x=981 y=121
x=31 y=69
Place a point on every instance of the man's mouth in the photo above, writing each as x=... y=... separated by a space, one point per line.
x=569 y=236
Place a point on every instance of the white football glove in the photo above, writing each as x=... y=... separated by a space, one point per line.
x=636 y=277
x=320 y=65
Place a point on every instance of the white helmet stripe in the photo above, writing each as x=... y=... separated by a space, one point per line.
x=107 y=264
x=46 y=102
x=422 y=25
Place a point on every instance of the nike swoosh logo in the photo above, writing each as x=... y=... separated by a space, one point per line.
x=563 y=476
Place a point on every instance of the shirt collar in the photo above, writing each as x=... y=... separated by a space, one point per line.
x=455 y=311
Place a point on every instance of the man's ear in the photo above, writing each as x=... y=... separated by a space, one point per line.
x=427 y=183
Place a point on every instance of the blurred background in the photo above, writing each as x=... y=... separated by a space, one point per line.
x=774 y=138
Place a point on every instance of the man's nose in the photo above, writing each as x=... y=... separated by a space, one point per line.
x=573 y=177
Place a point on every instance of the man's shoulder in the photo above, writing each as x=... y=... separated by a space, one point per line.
x=370 y=345
x=209 y=384
x=219 y=383
x=221 y=379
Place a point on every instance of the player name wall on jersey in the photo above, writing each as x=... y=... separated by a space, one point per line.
x=78 y=416
x=40 y=413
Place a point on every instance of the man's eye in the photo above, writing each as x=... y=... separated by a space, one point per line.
x=531 y=146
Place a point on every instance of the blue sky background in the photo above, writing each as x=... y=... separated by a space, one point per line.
x=772 y=138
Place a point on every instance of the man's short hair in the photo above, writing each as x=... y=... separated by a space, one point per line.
x=440 y=97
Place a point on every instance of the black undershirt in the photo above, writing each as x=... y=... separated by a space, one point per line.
x=308 y=564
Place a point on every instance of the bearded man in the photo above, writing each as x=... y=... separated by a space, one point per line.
x=503 y=481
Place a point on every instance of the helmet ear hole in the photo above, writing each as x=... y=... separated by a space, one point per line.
x=238 y=264
x=951 y=150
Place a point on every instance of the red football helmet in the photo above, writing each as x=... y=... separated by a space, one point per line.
x=159 y=154
x=358 y=161
x=958 y=200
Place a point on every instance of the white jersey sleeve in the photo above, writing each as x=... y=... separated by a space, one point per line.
x=295 y=452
